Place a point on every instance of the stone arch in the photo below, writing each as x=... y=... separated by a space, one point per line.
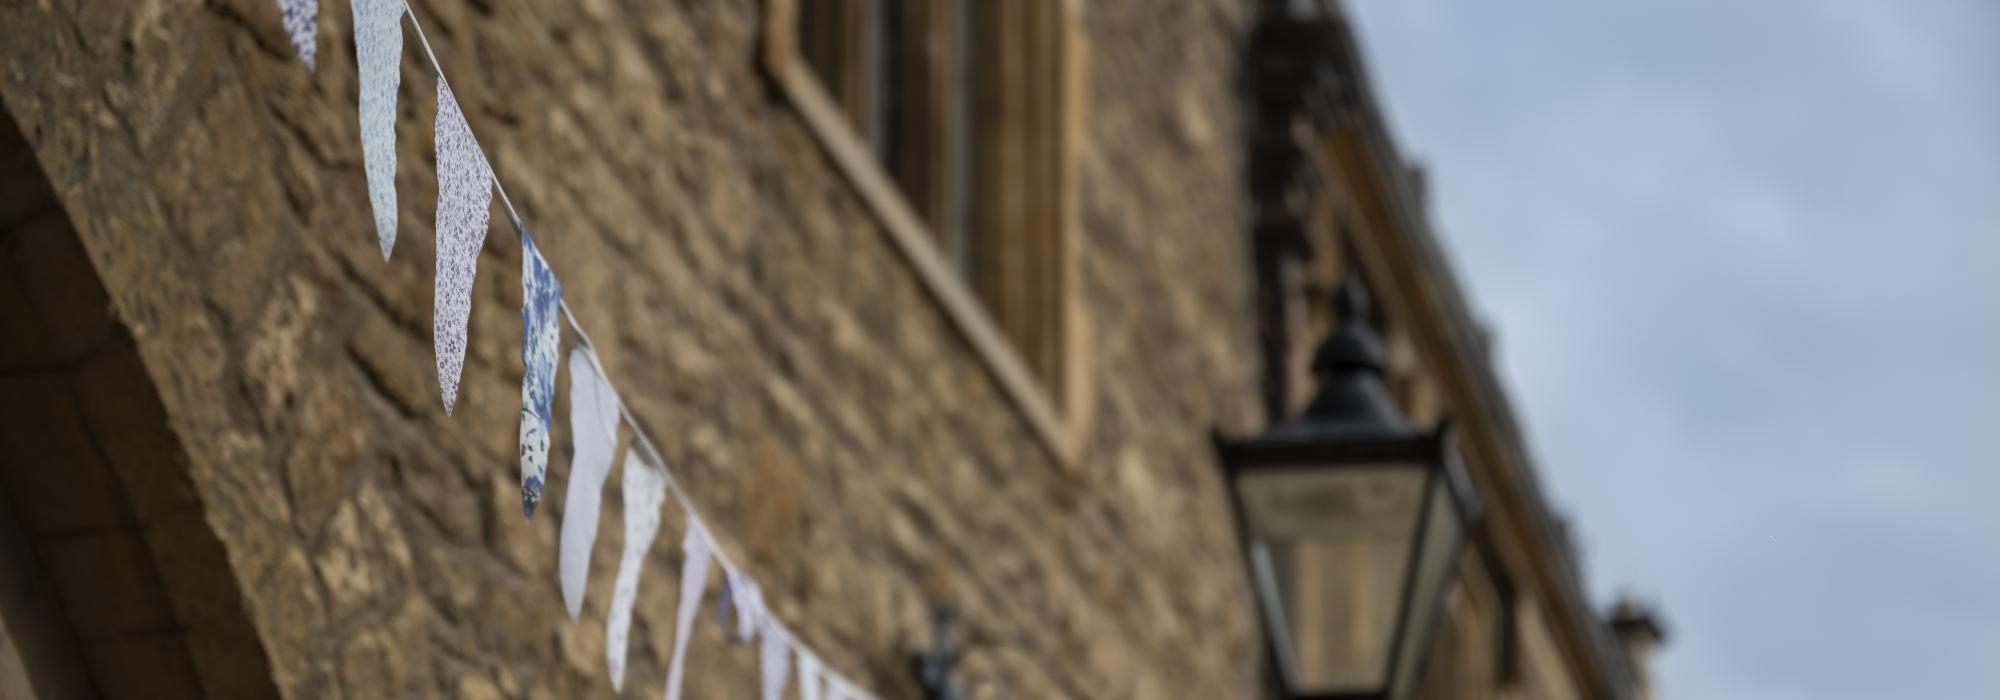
x=115 y=583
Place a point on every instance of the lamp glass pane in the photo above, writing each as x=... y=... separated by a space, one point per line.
x=1330 y=546
x=1442 y=532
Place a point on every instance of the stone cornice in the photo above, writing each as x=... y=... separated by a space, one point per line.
x=1418 y=287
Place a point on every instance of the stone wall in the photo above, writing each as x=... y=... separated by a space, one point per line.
x=840 y=436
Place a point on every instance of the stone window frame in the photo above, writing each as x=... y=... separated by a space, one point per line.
x=1012 y=290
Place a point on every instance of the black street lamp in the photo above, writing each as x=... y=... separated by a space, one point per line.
x=1351 y=520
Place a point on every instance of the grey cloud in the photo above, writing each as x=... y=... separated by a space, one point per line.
x=1740 y=257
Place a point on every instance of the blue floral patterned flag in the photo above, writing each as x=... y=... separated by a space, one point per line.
x=541 y=303
x=645 y=493
x=465 y=204
x=378 y=55
x=301 y=18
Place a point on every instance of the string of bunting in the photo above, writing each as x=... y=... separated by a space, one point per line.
x=466 y=185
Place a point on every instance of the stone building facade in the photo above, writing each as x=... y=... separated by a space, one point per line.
x=227 y=472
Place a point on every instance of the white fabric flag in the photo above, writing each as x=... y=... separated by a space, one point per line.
x=740 y=592
x=593 y=425
x=774 y=660
x=378 y=55
x=694 y=578
x=301 y=19
x=645 y=493
x=809 y=681
x=465 y=207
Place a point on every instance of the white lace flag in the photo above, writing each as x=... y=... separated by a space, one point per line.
x=378 y=55
x=301 y=18
x=593 y=425
x=809 y=681
x=774 y=660
x=465 y=203
x=645 y=493
x=694 y=578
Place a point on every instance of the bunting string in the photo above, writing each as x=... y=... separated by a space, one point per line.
x=466 y=185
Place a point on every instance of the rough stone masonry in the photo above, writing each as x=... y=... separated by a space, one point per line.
x=840 y=434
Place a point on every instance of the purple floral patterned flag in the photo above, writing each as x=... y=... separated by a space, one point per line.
x=645 y=493
x=593 y=429
x=378 y=55
x=774 y=661
x=694 y=578
x=465 y=207
x=301 y=19
x=541 y=303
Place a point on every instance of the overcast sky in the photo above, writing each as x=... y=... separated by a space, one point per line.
x=1743 y=259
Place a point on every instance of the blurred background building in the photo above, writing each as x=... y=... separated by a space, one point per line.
x=929 y=301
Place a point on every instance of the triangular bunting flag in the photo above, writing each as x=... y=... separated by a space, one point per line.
x=694 y=578
x=593 y=426
x=809 y=680
x=378 y=53
x=741 y=591
x=774 y=660
x=301 y=18
x=725 y=603
x=645 y=493
x=465 y=203
x=464 y=213
x=541 y=303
